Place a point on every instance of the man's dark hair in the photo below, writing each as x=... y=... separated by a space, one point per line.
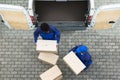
x=45 y=27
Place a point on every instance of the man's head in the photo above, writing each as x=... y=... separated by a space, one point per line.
x=45 y=27
x=82 y=49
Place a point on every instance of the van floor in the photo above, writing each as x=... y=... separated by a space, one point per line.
x=67 y=25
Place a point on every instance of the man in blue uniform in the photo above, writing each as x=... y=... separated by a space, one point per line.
x=47 y=32
x=82 y=53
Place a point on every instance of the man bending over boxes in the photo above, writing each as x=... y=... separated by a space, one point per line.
x=82 y=53
x=47 y=32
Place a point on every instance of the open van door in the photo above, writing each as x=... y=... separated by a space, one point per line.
x=105 y=17
x=15 y=17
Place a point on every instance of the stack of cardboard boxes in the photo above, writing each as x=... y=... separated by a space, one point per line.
x=48 y=53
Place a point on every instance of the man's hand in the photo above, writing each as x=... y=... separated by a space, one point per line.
x=57 y=45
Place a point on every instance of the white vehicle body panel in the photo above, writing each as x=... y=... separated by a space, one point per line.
x=92 y=7
x=31 y=7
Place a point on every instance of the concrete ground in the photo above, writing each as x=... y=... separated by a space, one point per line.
x=19 y=59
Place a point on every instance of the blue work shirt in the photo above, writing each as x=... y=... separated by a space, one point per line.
x=53 y=34
x=82 y=53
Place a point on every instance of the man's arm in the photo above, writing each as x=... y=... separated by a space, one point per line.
x=57 y=32
x=36 y=34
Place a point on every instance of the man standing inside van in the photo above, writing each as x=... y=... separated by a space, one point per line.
x=47 y=32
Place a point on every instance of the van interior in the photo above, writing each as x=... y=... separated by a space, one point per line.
x=70 y=13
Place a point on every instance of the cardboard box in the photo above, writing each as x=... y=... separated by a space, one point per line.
x=74 y=63
x=51 y=74
x=47 y=46
x=50 y=58
x=59 y=78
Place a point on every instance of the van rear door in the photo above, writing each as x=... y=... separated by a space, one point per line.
x=105 y=16
x=15 y=17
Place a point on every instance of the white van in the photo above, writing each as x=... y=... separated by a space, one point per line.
x=62 y=10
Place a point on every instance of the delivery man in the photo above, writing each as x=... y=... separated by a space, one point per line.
x=47 y=32
x=82 y=53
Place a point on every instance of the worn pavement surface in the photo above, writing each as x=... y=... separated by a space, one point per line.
x=19 y=59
